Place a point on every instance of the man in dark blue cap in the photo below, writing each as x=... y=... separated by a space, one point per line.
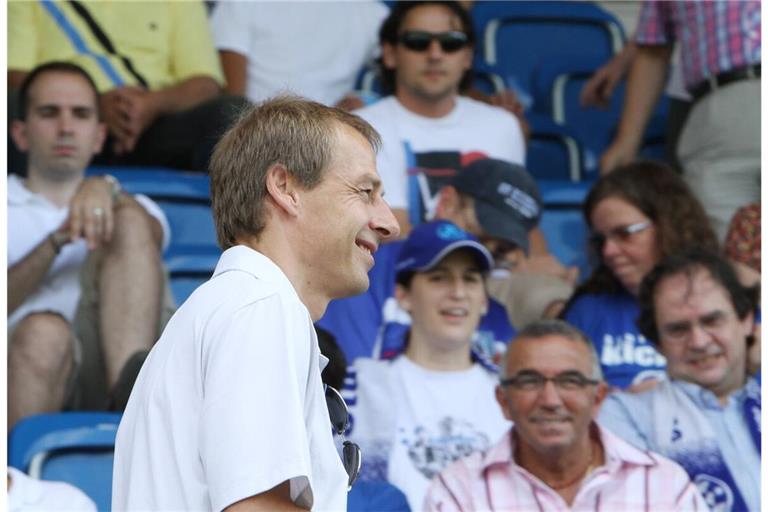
x=496 y=201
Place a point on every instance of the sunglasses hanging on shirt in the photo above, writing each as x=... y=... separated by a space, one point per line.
x=339 y=414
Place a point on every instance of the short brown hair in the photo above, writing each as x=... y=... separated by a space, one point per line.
x=287 y=130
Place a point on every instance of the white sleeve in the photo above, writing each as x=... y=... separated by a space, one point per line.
x=253 y=434
x=391 y=158
x=230 y=26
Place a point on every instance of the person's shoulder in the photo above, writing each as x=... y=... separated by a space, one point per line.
x=378 y=111
x=471 y=106
x=369 y=366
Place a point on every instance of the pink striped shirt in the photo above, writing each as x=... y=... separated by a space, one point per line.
x=715 y=36
x=630 y=480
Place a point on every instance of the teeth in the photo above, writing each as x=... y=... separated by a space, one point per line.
x=455 y=312
x=366 y=249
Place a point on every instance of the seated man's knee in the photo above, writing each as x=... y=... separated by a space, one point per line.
x=133 y=229
x=42 y=342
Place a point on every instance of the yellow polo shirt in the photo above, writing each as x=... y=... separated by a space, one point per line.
x=166 y=42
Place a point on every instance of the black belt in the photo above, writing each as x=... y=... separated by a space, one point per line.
x=727 y=77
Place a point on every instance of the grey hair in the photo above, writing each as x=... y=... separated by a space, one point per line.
x=543 y=328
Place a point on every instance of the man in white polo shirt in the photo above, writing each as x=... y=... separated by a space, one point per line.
x=85 y=278
x=228 y=411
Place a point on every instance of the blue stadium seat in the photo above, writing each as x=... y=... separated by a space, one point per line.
x=563 y=225
x=77 y=448
x=557 y=86
x=516 y=37
x=553 y=152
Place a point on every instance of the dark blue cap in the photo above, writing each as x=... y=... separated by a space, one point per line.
x=430 y=242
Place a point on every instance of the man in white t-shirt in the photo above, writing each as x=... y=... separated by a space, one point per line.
x=229 y=411
x=85 y=278
x=27 y=494
x=429 y=132
x=315 y=49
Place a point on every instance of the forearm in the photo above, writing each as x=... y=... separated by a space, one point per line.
x=234 y=65
x=26 y=275
x=184 y=95
x=644 y=86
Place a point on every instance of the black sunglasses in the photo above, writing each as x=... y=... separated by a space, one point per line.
x=339 y=414
x=419 y=40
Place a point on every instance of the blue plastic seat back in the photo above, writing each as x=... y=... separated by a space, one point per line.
x=553 y=153
x=76 y=448
x=563 y=225
x=517 y=36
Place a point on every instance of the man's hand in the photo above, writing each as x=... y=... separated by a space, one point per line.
x=598 y=90
x=616 y=155
x=139 y=110
x=548 y=265
x=91 y=213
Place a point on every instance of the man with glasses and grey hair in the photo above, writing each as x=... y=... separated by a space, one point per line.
x=556 y=457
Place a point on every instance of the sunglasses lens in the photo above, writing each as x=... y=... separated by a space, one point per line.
x=416 y=41
x=352 y=460
x=337 y=410
x=452 y=42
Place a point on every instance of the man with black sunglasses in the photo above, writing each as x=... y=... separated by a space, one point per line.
x=556 y=457
x=428 y=130
x=229 y=411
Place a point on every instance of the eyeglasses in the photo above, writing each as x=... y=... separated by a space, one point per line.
x=339 y=414
x=682 y=332
x=534 y=381
x=621 y=234
x=419 y=40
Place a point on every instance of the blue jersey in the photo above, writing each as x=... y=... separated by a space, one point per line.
x=609 y=320
x=373 y=325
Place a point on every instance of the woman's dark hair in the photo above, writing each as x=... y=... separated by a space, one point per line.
x=390 y=32
x=660 y=193
x=689 y=262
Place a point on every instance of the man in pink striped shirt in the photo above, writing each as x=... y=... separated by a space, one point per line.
x=556 y=457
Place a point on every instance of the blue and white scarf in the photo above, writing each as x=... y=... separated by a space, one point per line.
x=683 y=434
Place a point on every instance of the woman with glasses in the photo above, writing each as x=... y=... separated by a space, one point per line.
x=637 y=214
x=434 y=403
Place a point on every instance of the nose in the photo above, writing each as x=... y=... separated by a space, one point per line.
x=549 y=396
x=384 y=222
x=699 y=337
x=65 y=123
x=610 y=248
x=458 y=288
x=434 y=50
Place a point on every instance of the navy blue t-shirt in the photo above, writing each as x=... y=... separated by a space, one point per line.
x=626 y=356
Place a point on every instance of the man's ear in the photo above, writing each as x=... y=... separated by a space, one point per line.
x=447 y=202
x=19 y=134
x=282 y=189
x=501 y=398
x=600 y=393
x=388 y=57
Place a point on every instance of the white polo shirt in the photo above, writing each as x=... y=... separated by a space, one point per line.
x=229 y=402
x=31 y=218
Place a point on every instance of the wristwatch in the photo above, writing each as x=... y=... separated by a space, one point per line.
x=116 y=188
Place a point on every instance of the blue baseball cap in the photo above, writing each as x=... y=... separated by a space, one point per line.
x=430 y=242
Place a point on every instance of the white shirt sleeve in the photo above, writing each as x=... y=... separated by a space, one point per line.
x=258 y=360
x=229 y=25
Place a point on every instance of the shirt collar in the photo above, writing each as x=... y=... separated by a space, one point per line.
x=617 y=452
x=18 y=193
x=705 y=398
x=245 y=259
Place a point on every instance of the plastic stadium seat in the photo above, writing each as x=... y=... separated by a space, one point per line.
x=188 y=269
x=562 y=223
x=553 y=153
x=77 y=448
x=557 y=86
x=516 y=37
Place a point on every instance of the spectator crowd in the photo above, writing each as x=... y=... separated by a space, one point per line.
x=480 y=371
